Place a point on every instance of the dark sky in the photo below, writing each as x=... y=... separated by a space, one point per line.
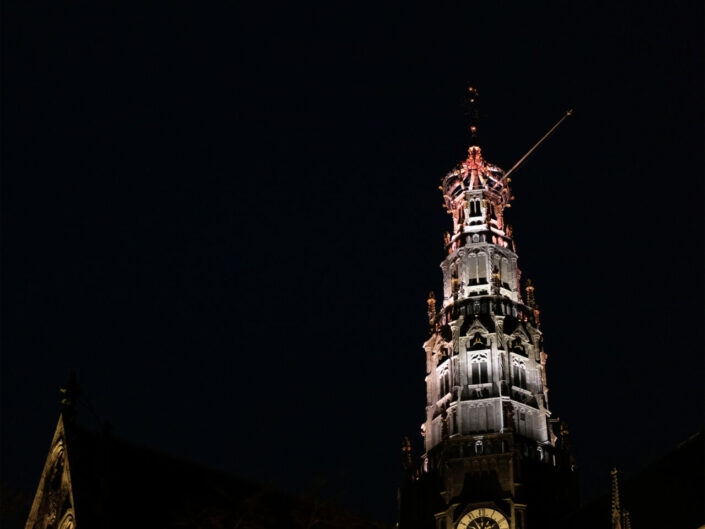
x=226 y=219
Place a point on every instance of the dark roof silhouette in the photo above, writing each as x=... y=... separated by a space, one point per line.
x=668 y=493
x=119 y=484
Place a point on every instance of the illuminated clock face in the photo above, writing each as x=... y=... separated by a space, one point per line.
x=483 y=518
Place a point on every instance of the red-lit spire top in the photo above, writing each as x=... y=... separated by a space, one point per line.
x=474 y=173
x=476 y=192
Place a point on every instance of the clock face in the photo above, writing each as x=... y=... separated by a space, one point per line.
x=483 y=518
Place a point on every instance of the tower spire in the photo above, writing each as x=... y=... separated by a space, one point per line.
x=486 y=390
x=616 y=503
x=473 y=95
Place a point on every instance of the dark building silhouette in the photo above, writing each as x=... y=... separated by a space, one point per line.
x=667 y=493
x=91 y=479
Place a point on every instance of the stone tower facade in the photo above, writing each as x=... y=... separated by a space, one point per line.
x=491 y=458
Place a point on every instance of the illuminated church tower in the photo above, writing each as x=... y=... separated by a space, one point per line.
x=491 y=458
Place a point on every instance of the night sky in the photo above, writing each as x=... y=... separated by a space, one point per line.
x=226 y=219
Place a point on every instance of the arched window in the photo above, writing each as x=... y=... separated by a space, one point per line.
x=518 y=373
x=479 y=373
x=472 y=269
x=461 y=215
x=482 y=267
x=506 y=280
x=479 y=449
x=454 y=283
x=475 y=238
x=477 y=211
x=444 y=382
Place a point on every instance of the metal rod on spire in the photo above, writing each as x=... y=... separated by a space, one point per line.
x=474 y=114
x=569 y=113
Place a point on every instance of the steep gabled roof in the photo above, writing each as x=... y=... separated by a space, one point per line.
x=54 y=502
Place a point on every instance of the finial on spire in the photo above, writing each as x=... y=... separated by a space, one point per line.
x=496 y=280
x=473 y=95
x=530 y=295
x=406 y=452
x=616 y=504
x=431 y=301
x=70 y=393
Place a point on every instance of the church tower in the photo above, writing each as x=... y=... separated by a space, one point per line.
x=491 y=458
